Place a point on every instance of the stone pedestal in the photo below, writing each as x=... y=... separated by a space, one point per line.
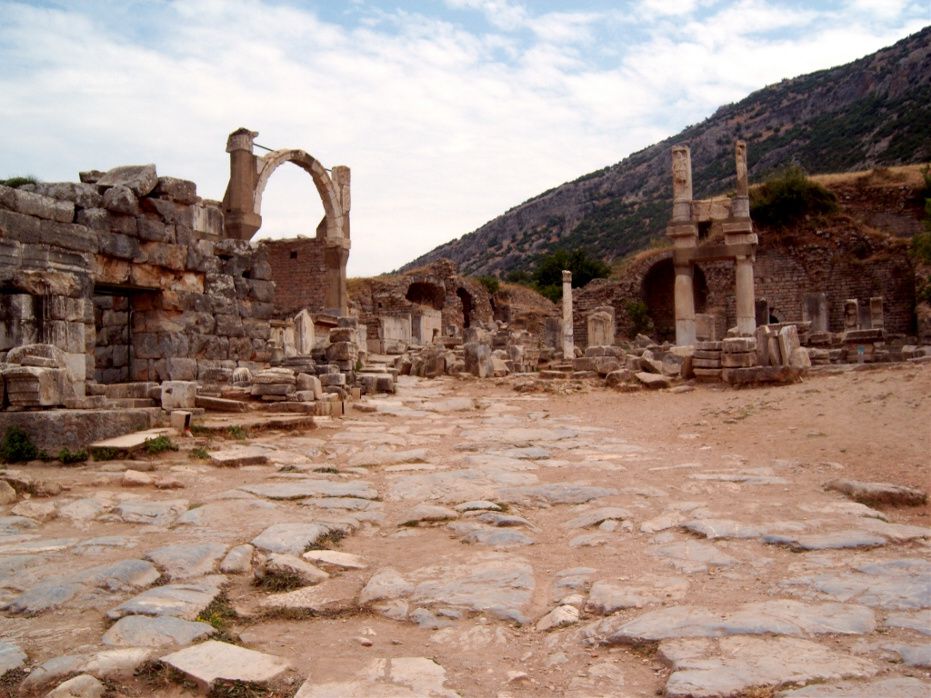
x=851 y=314
x=815 y=310
x=568 y=343
x=877 y=319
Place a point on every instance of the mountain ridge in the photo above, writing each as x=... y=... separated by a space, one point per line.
x=871 y=112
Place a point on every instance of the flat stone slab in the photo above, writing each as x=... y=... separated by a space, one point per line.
x=920 y=621
x=455 y=485
x=178 y=600
x=778 y=617
x=879 y=493
x=335 y=558
x=327 y=598
x=554 y=493
x=428 y=513
x=145 y=631
x=186 y=560
x=82 y=685
x=899 y=687
x=492 y=536
x=294 y=538
x=371 y=459
x=838 y=540
x=607 y=596
x=722 y=528
x=131 y=442
x=386 y=583
x=501 y=586
x=155 y=513
x=900 y=584
x=11 y=657
x=694 y=556
x=730 y=666
x=239 y=456
x=389 y=677
x=212 y=660
x=596 y=516
x=300 y=489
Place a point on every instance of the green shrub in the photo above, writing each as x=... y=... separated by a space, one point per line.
x=105 y=453
x=200 y=453
x=639 y=314
x=921 y=247
x=787 y=197
x=490 y=283
x=68 y=457
x=238 y=432
x=17 y=182
x=158 y=444
x=17 y=447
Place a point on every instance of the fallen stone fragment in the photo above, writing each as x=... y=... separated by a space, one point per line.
x=827 y=541
x=879 y=493
x=654 y=381
x=554 y=493
x=300 y=489
x=186 y=560
x=386 y=583
x=721 y=528
x=596 y=516
x=335 y=558
x=7 y=493
x=81 y=686
x=398 y=677
x=116 y=663
x=144 y=631
x=294 y=538
x=477 y=505
x=290 y=567
x=428 y=513
x=238 y=560
x=40 y=511
x=178 y=600
x=239 y=456
x=877 y=688
x=730 y=666
x=327 y=598
x=913 y=655
x=134 y=478
x=559 y=617
x=212 y=660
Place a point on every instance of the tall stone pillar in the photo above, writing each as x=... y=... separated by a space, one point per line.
x=568 y=345
x=741 y=200
x=240 y=219
x=681 y=184
x=746 y=306
x=685 y=305
x=336 y=298
x=341 y=180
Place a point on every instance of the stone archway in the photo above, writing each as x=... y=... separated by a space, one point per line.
x=658 y=291
x=242 y=205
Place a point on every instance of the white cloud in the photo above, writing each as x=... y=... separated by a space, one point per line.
x=443 y=128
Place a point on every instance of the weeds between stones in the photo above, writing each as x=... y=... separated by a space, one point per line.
x=200 y=453
x=159 y=444
x=279 y=581
x=220 y=614
x=10 y=682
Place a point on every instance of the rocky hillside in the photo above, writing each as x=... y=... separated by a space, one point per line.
x=874 y=111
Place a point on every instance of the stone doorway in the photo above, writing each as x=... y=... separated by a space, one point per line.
x=467 y=305
x=114 y=310
x=659 y=293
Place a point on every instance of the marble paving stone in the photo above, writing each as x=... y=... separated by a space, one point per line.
x=730 y=666
x=186 y=560
x=145 y=631
x=212 y=660
x=390 y=677
x=301 y=489
x=184 y=600
x=894 y=687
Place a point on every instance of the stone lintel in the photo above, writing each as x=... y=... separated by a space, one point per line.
x=743 y=225
x=712 y=253
x=682 y=230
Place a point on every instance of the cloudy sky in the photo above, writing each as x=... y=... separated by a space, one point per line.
x=447 y=111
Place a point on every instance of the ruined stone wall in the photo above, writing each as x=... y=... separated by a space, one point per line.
x=299 y=272
x=842 y=263
x=195 y=301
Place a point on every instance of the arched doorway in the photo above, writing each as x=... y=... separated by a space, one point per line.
x=658 y=291
x=426 y=293
x=467 y=305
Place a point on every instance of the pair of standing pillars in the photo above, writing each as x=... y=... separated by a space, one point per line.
x=740 y=245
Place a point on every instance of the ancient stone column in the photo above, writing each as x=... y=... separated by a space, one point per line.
x=681 y=184
x=741 y=200
x=568 y=345
x=341 y=180
x=336 y=299
x=240 y=219
x=746 y=307
x=685 y=305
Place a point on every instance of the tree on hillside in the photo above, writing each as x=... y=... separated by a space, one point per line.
x=546 y=277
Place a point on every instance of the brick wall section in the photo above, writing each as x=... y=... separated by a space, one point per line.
x=299 y=273
x=842 y=263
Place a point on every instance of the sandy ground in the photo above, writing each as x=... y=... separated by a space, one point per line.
x=657 y=453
